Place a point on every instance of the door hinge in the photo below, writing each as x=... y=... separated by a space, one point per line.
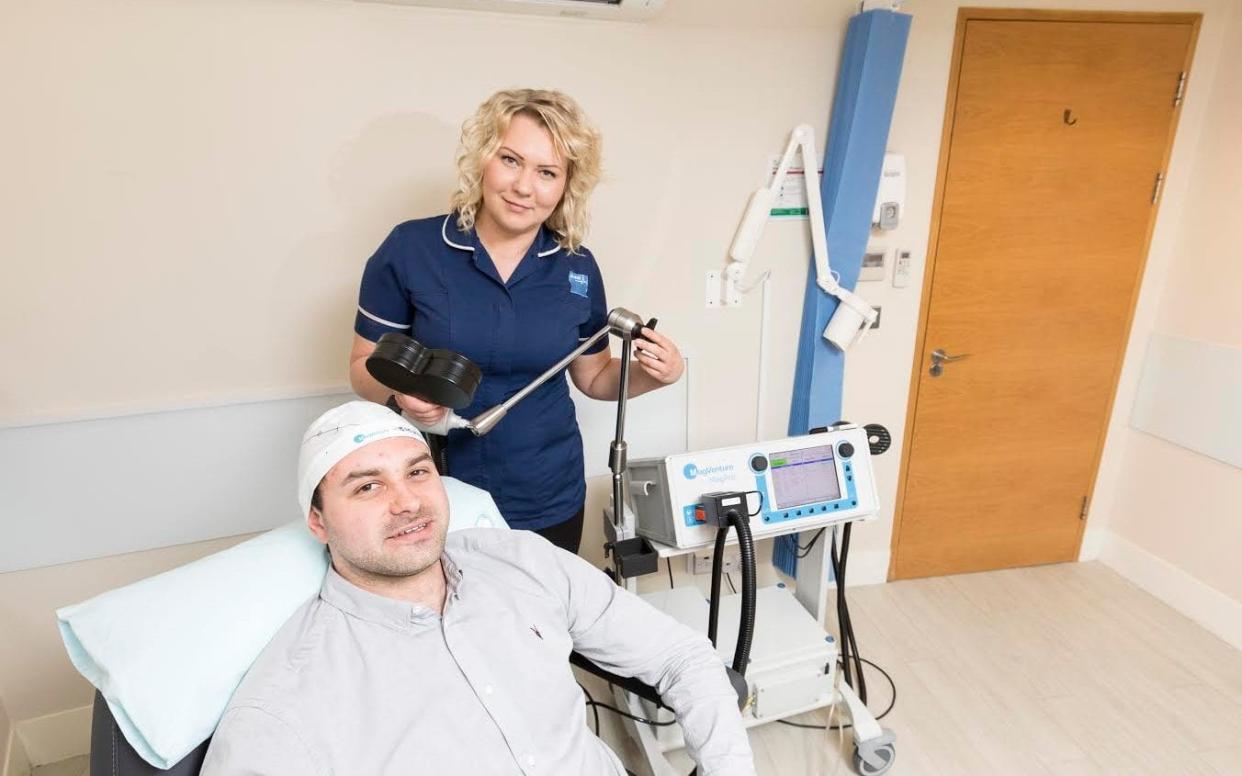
x=1082 y=513
x=1155 y=190
x=1181 y=89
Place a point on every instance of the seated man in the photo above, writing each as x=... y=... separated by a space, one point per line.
x=427 y=654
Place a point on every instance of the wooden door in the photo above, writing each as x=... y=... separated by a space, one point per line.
x=1057 y=133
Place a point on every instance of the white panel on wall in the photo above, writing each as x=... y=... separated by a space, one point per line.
x=1191 y=394
x=87 y=489
x=655 y=424
x=92 y=488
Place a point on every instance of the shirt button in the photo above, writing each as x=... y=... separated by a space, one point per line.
x=530 y=760
x=487 y=690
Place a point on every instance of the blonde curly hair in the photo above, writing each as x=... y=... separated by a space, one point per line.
x=575 y=140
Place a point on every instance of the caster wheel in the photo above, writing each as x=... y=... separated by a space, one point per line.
x=877 y=761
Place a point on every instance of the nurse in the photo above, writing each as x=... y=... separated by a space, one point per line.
x=505 y=280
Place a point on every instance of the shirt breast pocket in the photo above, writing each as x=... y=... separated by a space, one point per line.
x=576 y=311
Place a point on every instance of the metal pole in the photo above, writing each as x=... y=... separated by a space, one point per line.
x=617 y=454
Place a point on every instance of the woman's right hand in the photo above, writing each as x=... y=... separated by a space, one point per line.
x=421 y=411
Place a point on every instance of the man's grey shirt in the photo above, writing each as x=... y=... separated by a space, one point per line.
x=356 y=684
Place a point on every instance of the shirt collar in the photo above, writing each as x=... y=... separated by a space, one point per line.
x=545 y=242
x=351 y=599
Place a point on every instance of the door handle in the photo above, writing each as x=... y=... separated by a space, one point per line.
x=939 y=355
x=940 y=358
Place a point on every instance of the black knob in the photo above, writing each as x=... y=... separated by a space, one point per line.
x=759 y=463
x=845 y=449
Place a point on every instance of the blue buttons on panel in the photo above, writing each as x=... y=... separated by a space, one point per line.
x=807 y=510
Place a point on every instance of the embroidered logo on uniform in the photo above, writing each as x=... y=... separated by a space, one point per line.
x=537 y=633
x=577 y=284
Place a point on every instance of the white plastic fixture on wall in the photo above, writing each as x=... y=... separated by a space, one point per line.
x=1189 y=394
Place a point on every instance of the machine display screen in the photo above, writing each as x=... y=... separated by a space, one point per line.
x=805 y=476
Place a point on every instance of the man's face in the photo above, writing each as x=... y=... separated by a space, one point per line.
x=384 y=511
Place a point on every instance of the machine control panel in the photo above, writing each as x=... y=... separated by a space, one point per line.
x=805 y=482
x=809 y=480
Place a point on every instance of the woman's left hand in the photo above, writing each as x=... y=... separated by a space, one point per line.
x=659 y=357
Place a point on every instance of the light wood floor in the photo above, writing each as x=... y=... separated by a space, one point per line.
x=1065 y=669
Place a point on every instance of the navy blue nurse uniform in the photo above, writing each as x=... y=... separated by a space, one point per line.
x=438 y=284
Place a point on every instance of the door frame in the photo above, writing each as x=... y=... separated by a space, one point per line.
x=965 y=15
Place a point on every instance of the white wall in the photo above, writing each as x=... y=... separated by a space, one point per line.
x=36 y=677
x=16 y=764
x=6 y=729
x=1186 y=526
x=197 y=185
x=191 y=190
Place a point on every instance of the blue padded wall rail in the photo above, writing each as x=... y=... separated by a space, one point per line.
x=862 y=111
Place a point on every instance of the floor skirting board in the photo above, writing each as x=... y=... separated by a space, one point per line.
x=1199 y=601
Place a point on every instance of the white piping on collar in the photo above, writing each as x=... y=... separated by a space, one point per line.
x=444 y=234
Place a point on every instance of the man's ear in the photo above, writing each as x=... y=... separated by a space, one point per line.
x=314 y=521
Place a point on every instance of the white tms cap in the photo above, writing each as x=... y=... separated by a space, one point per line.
x=337 y=433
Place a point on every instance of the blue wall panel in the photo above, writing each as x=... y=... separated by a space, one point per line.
x=862 y=111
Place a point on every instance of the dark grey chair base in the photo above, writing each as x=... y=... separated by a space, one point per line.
x=111 y=754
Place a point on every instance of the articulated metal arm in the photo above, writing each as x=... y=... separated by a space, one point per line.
x=621 y=322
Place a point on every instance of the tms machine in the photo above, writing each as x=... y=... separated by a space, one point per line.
x=799 y=485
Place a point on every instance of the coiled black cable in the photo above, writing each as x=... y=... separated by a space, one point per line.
x=746 y=631
x=713 y=610
x=746 y=623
